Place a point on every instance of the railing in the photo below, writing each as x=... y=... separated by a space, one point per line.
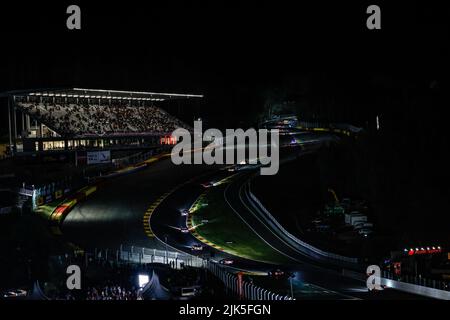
x=416 y=280
x=6 y=210
x=141 y=255
x=135 y=158
x=338 y=127
x=242 y=289
x=430 y=288
x=318 y=253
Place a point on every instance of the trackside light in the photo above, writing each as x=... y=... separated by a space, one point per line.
x=143 y=280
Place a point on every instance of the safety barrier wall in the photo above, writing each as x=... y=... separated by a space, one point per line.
x=132 y=254
x=416 y=289
x=137 y=158
x=421 y=286
x=419 y=281
x=6 y=210
x=242 y=289
x=318 y=253
x=342 y=128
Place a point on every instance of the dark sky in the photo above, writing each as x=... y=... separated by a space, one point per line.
x=229 y=51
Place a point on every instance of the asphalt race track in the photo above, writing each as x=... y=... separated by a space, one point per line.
x=113 y=216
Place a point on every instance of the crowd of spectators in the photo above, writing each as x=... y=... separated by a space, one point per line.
x=79 y=119
x=103 y=280
x=111 y=292
x=107 y=292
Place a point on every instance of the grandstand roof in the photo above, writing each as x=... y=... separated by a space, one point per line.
x=101 y=94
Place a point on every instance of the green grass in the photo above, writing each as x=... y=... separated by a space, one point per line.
x=227 y=230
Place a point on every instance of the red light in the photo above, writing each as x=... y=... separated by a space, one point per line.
x=412 y=252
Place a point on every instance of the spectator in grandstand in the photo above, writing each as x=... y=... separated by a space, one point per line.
x=75 y=119
x=111 y=293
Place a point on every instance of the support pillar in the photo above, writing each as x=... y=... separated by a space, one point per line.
x=9 y=122
x=15 y=128
x=28 y=122
x=23 y=124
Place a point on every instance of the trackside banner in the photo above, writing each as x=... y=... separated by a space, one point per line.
x=97 y=157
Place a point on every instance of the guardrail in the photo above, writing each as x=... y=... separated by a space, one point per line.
x=416 y=289
x=242 y=289
x=6 y=210
x=142 y=255
x=342 y=128
x=416 y=280
x=318 y=253
x=421 y=286
x=136 y=158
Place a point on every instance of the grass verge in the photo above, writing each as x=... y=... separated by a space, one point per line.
x=216 y=222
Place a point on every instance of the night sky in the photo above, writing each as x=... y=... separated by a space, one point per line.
x=231 y=52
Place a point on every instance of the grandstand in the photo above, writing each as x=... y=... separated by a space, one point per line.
x=73 y=119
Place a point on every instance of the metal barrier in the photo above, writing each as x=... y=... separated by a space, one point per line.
x=145 y=255
x=332 y=127
x=135 y=158
x=267 y=216
x=416 y=280
x=242 y=289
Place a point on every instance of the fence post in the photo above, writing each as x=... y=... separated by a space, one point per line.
x=246 y=291
x=230 y=277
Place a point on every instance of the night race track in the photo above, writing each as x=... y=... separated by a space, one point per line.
x=114 y=215
x=318 y=273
